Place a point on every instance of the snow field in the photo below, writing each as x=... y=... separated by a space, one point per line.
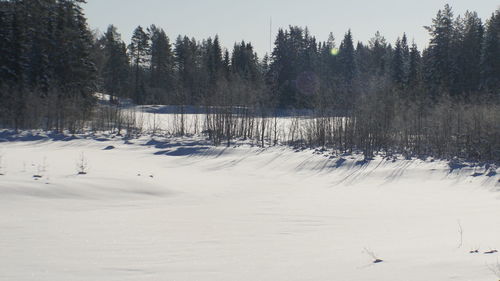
x=180 y=209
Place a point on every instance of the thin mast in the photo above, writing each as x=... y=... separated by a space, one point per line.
x=270 y=35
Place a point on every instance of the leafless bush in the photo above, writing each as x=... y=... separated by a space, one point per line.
x=2 y=172
x=41 y=168
x=82 y=165
x=495 y=269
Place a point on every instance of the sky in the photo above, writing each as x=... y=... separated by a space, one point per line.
x=236 y=20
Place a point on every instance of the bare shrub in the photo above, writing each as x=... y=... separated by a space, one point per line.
x=82 y=165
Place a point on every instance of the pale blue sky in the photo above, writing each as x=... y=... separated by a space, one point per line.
x=235 y=20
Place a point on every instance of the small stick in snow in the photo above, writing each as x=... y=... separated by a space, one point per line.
x=1 y=157
x=461 y=232
x=373 y=255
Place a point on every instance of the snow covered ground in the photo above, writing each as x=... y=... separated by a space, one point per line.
x=180 y=209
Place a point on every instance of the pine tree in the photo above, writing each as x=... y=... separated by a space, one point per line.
x=139 y=54
x=378 y=63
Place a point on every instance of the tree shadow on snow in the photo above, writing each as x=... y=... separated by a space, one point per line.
x=164 y=144
x=27 y=136
x=184 y=151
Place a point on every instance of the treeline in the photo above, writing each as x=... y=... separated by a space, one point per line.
x=374 y=96
x=152 y=70
x=462 y=61
x=47 y=75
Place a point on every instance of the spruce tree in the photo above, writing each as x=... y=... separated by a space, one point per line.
x=244 y=62
x=5 y=44
x=490 y=60
x=470 y=53
x=397 y=66
x=213 y=62
x=187 y=67
x=162 y=65
x=280 y=69
x=414 y=66
x=440 y=51
x=347 y=60
x=226 y=65
x=115 y=72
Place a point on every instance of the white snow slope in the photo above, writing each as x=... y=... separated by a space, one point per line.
x=182 y=210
